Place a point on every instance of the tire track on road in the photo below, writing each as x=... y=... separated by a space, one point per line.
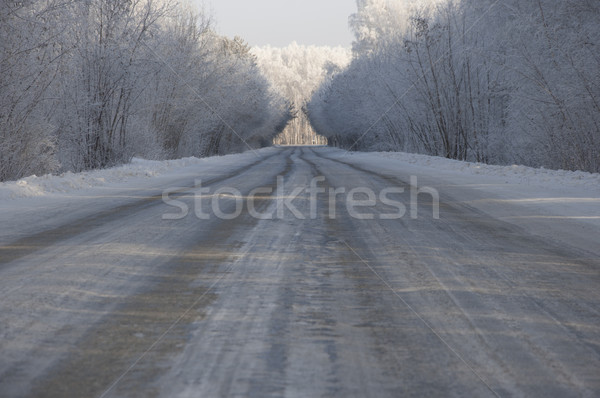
x=29 y=244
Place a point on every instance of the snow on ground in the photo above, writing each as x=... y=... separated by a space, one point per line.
x=547 y=202
x=131 y=175
x=558 y=204
x=134 y=172
x=35 y=186
x=512 y=174
x=141 y=170
x=34 y=204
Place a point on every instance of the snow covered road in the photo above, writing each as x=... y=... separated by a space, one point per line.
x=113 y=292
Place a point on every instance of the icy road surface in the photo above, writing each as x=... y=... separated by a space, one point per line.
x=100 y=296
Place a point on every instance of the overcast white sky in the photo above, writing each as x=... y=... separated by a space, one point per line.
x=279 y=22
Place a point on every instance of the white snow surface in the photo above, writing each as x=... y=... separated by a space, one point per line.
x=543 y=201
x=557 y=204
x=141 y=170
x=34 y=204
x=135 y=172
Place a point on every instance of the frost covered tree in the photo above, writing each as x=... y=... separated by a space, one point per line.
x=473 y=80
x=211 y=99
x=295 y=72
x=29 y=63
x=89 y=84
x=554 y=64
x=102 y=79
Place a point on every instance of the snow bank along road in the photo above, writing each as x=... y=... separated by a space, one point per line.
x=103 y=296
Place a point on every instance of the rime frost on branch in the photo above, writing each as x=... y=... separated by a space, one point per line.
x=90 y=84
x=500 y=82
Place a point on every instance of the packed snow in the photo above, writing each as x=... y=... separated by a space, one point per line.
x=34 y=204
x=512 y=174
x=543 y=201
x=142 y=170
x=557 y=204
x=47 y=185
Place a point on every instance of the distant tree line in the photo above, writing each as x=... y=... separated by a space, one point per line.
x=295 y=72
x=91 y=83
x=478 y=80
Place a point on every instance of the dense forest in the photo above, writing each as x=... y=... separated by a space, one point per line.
x=90 y=84
x=503 y=82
